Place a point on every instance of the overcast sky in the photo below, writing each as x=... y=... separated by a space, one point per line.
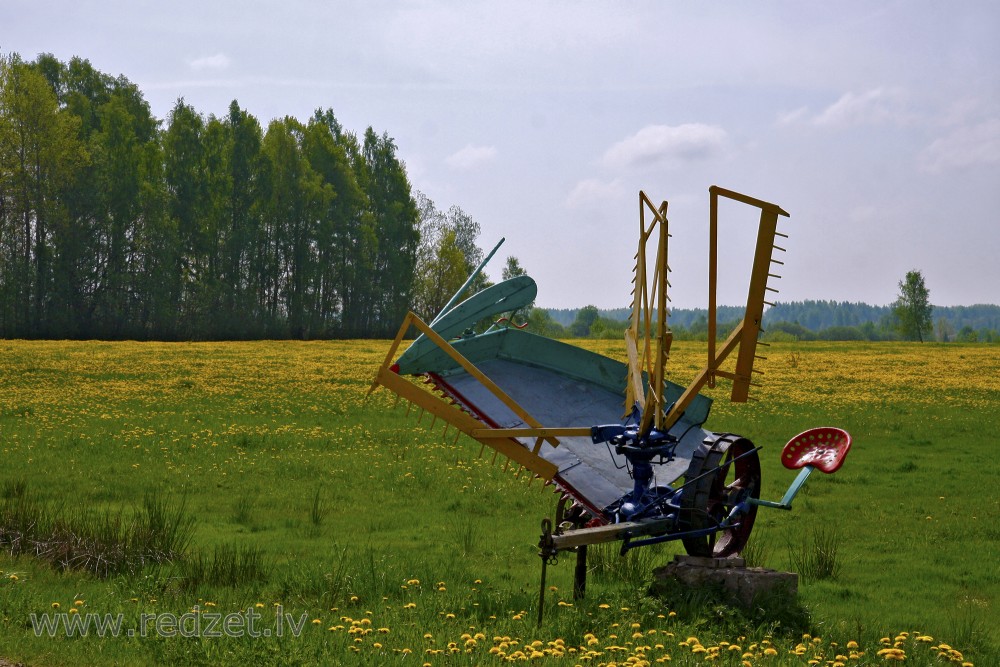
x=876 y=125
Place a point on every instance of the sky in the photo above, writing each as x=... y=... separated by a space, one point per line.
x=874 y=123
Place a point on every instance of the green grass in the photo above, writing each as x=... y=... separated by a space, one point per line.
x=303 y=494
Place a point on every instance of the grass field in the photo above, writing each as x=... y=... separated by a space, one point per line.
x=377 y=540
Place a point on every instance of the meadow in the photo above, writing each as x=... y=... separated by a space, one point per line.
x=377 y=538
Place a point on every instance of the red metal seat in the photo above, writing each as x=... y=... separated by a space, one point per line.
x=824 y=448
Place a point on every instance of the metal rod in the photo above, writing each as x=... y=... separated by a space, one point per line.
x=580 y=574
x=541 y=591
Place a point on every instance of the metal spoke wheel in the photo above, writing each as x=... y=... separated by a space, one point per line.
x=708 y=501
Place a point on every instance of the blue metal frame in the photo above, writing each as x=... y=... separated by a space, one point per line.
x=654 y=504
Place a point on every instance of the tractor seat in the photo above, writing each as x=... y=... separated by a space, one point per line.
x=824 y=448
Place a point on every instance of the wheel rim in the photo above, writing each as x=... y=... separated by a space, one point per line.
x=713 y=497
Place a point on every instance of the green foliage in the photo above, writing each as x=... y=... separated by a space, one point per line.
x=228 y=565
x=585 y=319
x=113 y=227
x=802 y=320
x=913 y=309
x=816 y=555
x=540 y=322
x=104 y=543
x=446 y=257
x=512 y=268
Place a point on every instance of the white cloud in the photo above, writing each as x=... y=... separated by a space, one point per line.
x=874 y=106
x=964 y=147
x=657 y=143
x=471 y=157
x=217 y=62
x=594 y=191
x=794 y=116
x=878 y=105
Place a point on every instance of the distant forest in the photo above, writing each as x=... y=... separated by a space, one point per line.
x=799 y=320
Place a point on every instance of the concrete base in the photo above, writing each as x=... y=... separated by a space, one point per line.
x=745 y=584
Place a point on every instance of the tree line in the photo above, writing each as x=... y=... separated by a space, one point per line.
x=799 y=320
x=114 y=224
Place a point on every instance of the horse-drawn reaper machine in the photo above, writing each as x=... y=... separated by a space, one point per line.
x=625 y=446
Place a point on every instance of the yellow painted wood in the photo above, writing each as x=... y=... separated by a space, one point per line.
x=471 y=369
x=544 y=432
x=391 y=354
x=610 y=533
x=466 y=423
x=754 y=314
x=702 y=378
